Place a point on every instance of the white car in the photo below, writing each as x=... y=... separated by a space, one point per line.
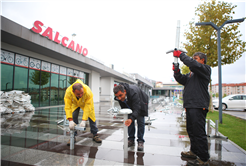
x=236 y=101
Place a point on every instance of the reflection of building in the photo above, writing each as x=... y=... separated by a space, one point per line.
x=44 y=64
x=228 y=89
x=168 y=89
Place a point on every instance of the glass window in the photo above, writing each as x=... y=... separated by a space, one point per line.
x=86 y=79
x=82 y=76
x=21 y=79
x=236 y=98
x=6 y=77
x=70 y=72
x=76 y=73
x=62 y=89
x=34 y=81
x=34 y=64
x=45 y=89
x=54 y=89
x=21 y=61
x=45 y=66
x=7 y=57
x=70 y=80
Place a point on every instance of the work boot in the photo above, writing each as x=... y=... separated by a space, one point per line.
x=97 y=139
x=198 y=162
x=68 y=142
x=131 y=143
x=140 y=146
x=189 y=154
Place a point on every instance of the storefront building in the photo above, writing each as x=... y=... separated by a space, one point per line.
x=43 y=65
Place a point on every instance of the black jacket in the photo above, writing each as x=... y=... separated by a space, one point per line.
x=196 y=93
x=137 y=100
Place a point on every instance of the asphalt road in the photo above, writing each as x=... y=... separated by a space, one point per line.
x=237 y=113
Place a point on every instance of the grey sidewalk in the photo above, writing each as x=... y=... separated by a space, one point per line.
x=44 y=143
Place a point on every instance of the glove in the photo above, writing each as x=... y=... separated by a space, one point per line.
x=176 y=67
x=82 y=124
x=71 y=125
x=176 y=53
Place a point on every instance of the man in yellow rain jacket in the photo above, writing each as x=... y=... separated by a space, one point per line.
x=77 y=96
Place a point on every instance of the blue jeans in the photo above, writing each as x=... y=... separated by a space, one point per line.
x=141 y=129
x=93 y=125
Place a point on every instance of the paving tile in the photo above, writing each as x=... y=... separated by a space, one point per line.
x=44 y=142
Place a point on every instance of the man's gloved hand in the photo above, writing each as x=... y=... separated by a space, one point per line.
x=72 y=125
x=82 y=124
x=176 y=67
x=176 y=53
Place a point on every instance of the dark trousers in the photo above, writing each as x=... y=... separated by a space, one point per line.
x=141 y=129
x=93 y=125
x=195 y=125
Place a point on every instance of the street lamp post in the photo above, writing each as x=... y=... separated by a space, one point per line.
x=219 y=56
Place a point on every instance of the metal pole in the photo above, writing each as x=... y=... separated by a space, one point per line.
x=72 y=135
x=208 y=128
x=216 y=128
x=64 y=120
x=219 y=73
x=71 y=139
x=125 y=137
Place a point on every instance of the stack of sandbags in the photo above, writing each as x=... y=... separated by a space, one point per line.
x=15 y=101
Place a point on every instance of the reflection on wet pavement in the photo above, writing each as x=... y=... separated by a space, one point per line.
x=42 y=142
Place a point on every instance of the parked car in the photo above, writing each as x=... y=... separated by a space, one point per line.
x=236 y=101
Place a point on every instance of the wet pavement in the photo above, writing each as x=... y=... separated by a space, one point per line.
x=38 y=140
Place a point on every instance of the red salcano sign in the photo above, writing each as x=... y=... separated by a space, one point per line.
x=37 y=28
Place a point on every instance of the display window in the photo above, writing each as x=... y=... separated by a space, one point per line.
x=45 y=82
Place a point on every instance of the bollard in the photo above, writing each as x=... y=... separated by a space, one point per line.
x=208 y=128
x=125 y=113
x=71 y=139
x=64 y=120
x=125 y=137
x=72 y=135
x=216 y=128
x=217 y=135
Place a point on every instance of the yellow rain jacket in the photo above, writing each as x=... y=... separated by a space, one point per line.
x=85 y=102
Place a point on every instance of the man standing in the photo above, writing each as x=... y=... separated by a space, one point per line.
x=196 y=102
x=132 y=97
x=77 y=96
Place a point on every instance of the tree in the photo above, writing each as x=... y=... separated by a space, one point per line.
x=71 y=80
x=204 y=38
x=185 y=69
x=35 y=78
x=217 y=95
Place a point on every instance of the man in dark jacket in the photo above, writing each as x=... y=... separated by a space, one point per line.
x=132 y=97
x=196 y=102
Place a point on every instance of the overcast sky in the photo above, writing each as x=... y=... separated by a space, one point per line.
x=133 y=35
